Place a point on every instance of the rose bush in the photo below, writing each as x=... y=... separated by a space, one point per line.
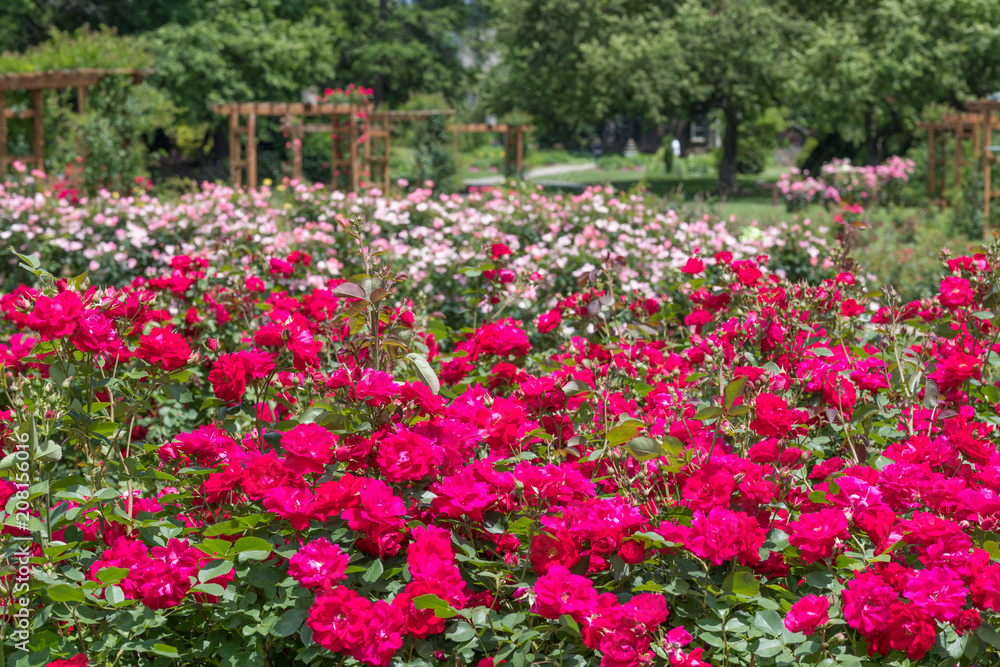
x=244 y=456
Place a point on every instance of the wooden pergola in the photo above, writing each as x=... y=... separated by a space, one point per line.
x=977 y=124
x=513 y=142
x=350 y=156
x=37 y=83
x=374 y=156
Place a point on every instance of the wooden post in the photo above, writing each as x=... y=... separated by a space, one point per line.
x=354 y=150
x=81 y=99
x=235 y=169
x=506 y=153
x=987 y=170
x=366 y=157
x=959 y=140
x=520 y=152
x=3 y=136
x=386 y=176
x=931 y=186
x=252 y=150
x=297 y=136
x=38 y=129
x=334 y=150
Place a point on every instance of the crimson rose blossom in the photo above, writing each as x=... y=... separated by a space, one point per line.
x=57 y=316
x=955 y=293
x=808 y=614
x=78 y=660
x=815 y=534
x=319 y=564
x=164 y=348
x=774 y=419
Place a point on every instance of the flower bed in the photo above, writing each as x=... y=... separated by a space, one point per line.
x=434 y=240
x=840 y=181
x=249 y=457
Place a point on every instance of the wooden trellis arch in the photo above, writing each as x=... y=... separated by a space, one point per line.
x=513 y=142
x=978 y=124
x=36 y=83
x=350 y=157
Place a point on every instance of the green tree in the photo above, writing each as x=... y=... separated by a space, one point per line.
x=434 y=160
x=866 y=72
x=738 y=56
x=241 y=54
x=576 y=62
x=402 y=47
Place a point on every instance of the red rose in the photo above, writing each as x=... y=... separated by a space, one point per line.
x=549 y=550
x=632 y=552
x=773 y=416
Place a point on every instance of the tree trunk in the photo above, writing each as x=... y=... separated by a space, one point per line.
x=727 y=166
x=872 y=153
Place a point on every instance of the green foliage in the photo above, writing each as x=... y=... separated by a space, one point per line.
x=112 y=133
x=400 y=47
x=758 y=140
x=903 y=249
x=434 y=159
x=240 y=56
x=868 y=69
x=83 y=48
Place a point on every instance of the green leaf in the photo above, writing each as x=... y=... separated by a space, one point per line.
x=252 y=548
x=165 y=650
x=114 y=594
x=643 y=448
x=769 y=622
x=708 y=413
x=230 y=527
x=64 y=593
x=112 y=575
x=210 y=589
x=441 y=608
x=374 y=572
x=624 y=432
x=989 y=635
x=214 y=569
x=930 y=394
x=768 y=648
x=574 y=387
x=733 y=391
x=460 y=632
x=424 y=371
x=289 y=623
x=742 y=582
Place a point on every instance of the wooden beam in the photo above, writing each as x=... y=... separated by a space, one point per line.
x=57 y=79
x=23 y=113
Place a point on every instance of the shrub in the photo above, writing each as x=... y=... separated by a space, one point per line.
x=433 y=155
x=736 y=469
